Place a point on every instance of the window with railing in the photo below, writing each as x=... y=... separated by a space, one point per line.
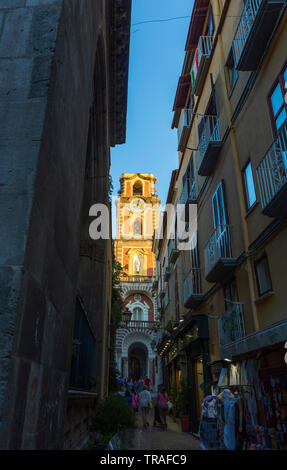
x=188 y=183
x=203 y=51
x=192 y=282
x=272 y=171
x=249 y=12
x=184 y=124
x=231 y=323
x=208 y=131
x=277 y=101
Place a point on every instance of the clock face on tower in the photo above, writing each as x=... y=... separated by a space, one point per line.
x=137 y=205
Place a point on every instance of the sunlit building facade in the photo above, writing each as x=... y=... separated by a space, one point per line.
x=230 y=112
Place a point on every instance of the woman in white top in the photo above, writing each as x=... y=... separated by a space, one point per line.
x=144 y=398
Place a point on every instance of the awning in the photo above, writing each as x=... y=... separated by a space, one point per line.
x=196 y=24
x=181 y=92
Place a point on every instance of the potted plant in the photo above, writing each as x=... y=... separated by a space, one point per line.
x=182 y=404
x=172 y=399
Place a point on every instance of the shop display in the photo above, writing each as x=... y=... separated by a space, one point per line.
x=231 y=418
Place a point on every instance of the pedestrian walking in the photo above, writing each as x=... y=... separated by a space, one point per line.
x=147 y=382
x=162 y=400
x=140 y=385
x=136 y=385
x=144 y=402
x=128 y=398
x=156 y=418
x=135 y=401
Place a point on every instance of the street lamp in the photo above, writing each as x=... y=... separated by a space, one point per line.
x=127 y=315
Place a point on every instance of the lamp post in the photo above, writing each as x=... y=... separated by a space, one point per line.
x=126 y=316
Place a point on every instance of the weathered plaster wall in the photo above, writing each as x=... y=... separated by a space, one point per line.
x=47 y=56
x=28 y=33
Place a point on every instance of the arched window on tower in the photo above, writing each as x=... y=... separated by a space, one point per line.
x=137 y=188
x=138 y=226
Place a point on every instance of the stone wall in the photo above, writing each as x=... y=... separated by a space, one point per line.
x=28 y=34
x=49 y=84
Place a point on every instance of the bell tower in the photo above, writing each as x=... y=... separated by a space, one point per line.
x=137 y=218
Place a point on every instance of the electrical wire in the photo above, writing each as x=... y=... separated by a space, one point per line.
x=174 y=18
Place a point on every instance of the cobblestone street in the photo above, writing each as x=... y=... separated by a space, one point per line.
x=156 y=439
x=173 y=438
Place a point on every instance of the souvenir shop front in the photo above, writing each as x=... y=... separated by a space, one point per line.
x=247 y=409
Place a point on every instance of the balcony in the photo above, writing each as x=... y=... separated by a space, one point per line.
x=184 y=129
x=192 y=294
x=201 y=63
x=188 y=196
x=173 y=252
x=126 y=278
x=209 y=145
x=231 y=324
x=255 y=27
x=272 y=177
x=151 y=325
x=217 y=253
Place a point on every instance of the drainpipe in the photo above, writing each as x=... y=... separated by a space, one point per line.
x=239 y=187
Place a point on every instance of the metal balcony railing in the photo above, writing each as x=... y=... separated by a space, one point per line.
x=231 y=324
x=210 y=133
x=202 y=54
x=257 y=22
x=188 y=192
x=135 y=278
x=173 y=250
x=244 y=27
x=272 y=172
x=183 y=128
x=192 y=285
x=140 y=324
x=218 y=247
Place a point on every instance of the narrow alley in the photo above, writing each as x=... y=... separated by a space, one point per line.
x=143 y=225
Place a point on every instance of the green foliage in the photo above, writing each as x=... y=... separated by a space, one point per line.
x=206 y=387
x=112 y=412
x=116 y=318
x=111 y=187
x=182 y=401
x=172 y=392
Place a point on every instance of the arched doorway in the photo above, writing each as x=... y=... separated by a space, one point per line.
x=137 y=360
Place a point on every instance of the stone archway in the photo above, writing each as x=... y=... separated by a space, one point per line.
x=137 y=360
x=137 y=345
